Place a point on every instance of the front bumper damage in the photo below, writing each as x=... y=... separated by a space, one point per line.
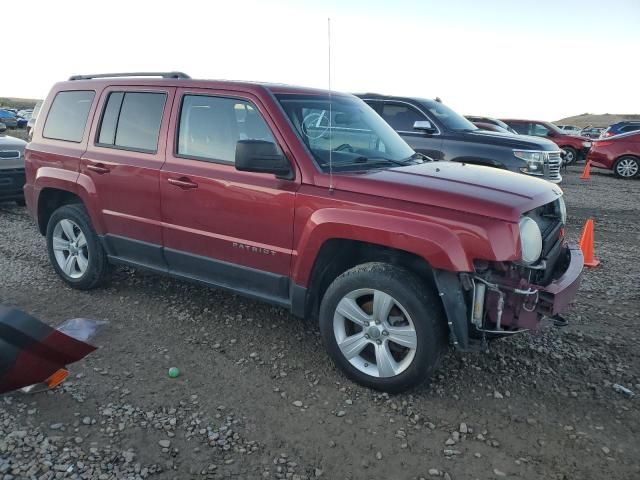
x=499 y=303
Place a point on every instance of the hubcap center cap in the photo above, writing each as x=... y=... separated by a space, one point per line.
x=374 y=332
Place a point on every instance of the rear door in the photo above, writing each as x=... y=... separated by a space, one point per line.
x=221 y=226
x=122 y=165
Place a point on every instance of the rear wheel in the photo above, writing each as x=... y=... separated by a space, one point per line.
x=626 y=167
x=74 y=248
x=570 y=155
x=383 y=327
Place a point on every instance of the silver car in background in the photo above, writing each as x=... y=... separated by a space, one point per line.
x=12 y=169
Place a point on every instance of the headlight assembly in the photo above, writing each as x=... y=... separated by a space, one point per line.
x=535 y=160
x=562 y=210
x=530 y=240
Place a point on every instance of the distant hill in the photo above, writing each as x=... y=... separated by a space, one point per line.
x=18 y=103
x=593 y=120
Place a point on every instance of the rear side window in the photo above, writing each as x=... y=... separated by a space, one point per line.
x=131 y=121
x=210 y=127
x=630 y=128
x=67 y=116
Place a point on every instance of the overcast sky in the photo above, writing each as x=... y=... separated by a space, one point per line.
x=545 y=58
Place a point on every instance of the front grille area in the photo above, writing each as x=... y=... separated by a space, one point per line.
x=554 y=162
x=9 y=154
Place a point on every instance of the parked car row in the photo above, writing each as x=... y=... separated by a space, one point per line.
x=13 y=118
x=311 y=201
x=602 y=132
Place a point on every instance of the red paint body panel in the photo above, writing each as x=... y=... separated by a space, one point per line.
x=605 y=152
x=449 y=214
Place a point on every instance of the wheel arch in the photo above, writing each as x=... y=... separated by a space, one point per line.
x=337 y=255
x=57 y=187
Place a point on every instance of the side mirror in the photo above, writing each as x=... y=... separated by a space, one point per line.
x=3 y=127
x=551 y=133
x=261 y=156
x=424 y=126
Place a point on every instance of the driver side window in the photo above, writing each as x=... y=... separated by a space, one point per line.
x=401 y=117
x=210 y=127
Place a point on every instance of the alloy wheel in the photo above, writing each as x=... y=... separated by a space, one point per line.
x=70 y=248
x=375 y=333
x=627 y=167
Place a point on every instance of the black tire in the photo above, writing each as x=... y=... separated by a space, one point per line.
x=630 y=161
x=98 y=266
x=20 y=202
x=421 y=303
x=570 y=156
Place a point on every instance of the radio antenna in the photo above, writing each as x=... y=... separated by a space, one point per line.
x=330 y=98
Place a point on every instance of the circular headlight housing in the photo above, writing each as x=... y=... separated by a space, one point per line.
x=530 y=240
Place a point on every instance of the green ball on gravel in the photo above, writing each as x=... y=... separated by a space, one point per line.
x=174 y=372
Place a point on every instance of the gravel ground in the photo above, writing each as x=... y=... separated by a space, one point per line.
x=258 y=398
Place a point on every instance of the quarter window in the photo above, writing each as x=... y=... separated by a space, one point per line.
x=210 y=127
x=68 y=115
x=131 y=121
x=401 y=117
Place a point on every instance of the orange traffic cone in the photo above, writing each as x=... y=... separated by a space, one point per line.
x=586 y=245
x=586 y=173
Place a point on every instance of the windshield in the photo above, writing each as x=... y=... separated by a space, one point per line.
x=355 y=137
x=447 y=117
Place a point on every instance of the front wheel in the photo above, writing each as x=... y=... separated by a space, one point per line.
x=626 y=167
x=570 y=155
x=74 y=248
x=383 y=327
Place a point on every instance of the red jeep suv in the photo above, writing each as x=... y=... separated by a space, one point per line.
x=575 y=147
x=303 y=198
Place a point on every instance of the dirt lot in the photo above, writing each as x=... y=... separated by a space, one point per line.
x=258 y=398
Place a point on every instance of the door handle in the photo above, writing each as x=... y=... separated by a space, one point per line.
x=182 y=182
x=98 y=168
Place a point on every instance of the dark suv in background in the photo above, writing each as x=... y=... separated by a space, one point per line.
x=435 y=130
x=621 y=127
x=575 y=147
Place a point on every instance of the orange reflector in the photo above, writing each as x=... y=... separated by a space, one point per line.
x=57 y=378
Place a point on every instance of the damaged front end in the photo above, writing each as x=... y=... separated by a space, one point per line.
x=502 y=298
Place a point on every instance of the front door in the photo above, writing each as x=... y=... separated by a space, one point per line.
x=221 y=226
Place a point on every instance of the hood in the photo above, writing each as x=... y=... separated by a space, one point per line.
x=7 y=142
x=474 y=189
x=523 y=142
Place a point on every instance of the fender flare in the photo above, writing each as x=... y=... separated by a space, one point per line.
x=70 y=181
x=438 y=245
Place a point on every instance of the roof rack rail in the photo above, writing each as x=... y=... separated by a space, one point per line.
x=131 y=74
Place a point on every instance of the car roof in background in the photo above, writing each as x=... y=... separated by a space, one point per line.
x=621 y=136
